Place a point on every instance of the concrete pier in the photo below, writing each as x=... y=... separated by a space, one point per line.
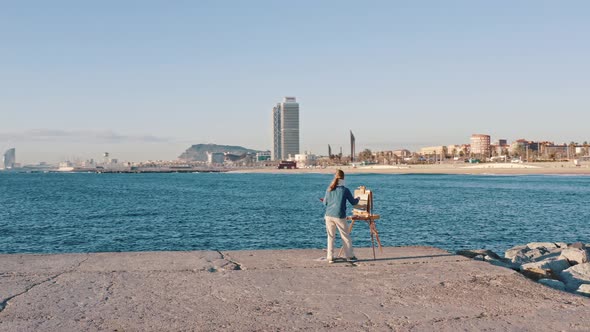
x=406 y=288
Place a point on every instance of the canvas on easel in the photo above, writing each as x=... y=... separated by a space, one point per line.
x=364 y=211
x=364 y=207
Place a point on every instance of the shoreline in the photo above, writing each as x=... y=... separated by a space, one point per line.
x=455 y=169
x=406 y=288
x=542 y=168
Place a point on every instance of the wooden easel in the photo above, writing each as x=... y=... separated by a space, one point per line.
x=364 y=211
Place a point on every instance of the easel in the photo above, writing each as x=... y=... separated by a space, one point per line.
x=364 y=211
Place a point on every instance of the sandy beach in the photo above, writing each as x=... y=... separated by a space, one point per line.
x=405 y=289
x=557 y=168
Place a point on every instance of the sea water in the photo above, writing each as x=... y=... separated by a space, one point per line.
x=59 y=213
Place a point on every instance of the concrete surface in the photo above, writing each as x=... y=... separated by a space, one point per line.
x=406 y=288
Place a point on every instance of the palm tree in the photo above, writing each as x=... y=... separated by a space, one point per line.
x=366 y=155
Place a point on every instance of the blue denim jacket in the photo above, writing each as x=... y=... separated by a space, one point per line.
x=335 y=201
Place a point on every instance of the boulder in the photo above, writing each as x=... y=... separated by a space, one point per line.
x=521 y=258
x=556 y=284
x=584 y=289
x=503 y=262
x=574 y=255
x=561 y=245
x=534 y=255
x=536 y=273
x=577 y=245
x=536 y=245
x=510 y=253
x=553 y=253
x=537 y=252
x=477 y=252
x=576 y=276
x=552 y=266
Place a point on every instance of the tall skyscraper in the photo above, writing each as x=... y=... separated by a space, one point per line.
x=9 y=159
x=285 y=129
x=289 y=127
x=276 y=133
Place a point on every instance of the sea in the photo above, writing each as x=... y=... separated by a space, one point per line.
x=79 y=212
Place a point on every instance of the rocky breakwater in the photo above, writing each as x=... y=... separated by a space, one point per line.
x=558 y=265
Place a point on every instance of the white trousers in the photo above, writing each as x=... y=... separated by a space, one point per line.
x=331 y=224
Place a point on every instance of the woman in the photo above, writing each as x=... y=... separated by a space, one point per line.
x=335 y=202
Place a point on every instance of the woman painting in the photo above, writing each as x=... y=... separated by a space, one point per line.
x=335 y=201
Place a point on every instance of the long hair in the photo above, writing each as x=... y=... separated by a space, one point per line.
x=339 y=175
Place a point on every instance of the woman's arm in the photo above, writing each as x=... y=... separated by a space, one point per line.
x=325 y=199
x=352 y=200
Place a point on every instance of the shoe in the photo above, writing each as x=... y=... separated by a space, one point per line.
x=352 y=259
x=330 y=261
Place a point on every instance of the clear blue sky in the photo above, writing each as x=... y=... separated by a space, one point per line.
x=145 y=79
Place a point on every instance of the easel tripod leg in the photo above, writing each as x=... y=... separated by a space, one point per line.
x=373 y=245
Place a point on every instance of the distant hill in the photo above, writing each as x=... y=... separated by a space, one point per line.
x=198 y=152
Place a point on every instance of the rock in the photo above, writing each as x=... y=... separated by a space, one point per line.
x=577 y=245
x=552 y=266
x=536 y=273
x=521 y=258
x=575 y=255
x=556 y=284
x=534 y=255
x=537 y=252
x=510 y=253
x=576 y=276
x=476 y=252
x=553 y=253
x=503 y=262
x=561 y=245
x=584 y=289
x=536 y=245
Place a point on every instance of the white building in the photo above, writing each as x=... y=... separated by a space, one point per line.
x=264 y=155
x=440 y=150
x=305 y=160
x=582 y=151
x=285 y=129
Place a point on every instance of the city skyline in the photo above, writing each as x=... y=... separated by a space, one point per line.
x=478 y=144
x=158 y=78
x=415 y=147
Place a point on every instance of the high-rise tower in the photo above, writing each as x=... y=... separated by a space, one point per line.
x=276 y=133
x=480 y=145
x=289 y=127
x=9 y=159
x=285 y=129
